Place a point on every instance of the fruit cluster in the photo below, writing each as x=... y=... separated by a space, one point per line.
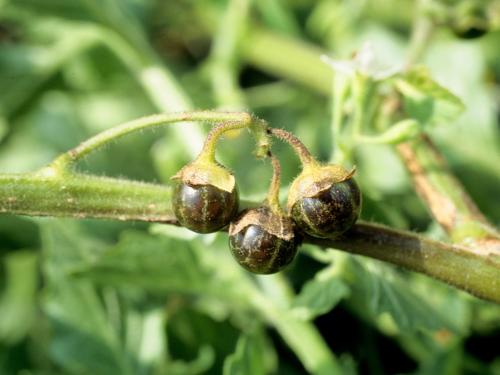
x=324 y=201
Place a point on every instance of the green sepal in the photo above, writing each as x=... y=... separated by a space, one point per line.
x=205 y=172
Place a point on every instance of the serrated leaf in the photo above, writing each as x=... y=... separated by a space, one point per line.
x=160 y=264
x=153 y=262
x=392 y=302
x=83 y=340
x=319 y=296
x=427 y=101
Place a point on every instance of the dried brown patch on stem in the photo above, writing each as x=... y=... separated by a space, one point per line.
x=451 y=211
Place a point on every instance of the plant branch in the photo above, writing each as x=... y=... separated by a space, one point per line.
x=83 y=196
x=478 y=274
x=114 y=133
x=445 y=196
x=267 y=53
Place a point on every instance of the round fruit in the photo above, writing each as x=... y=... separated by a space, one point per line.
x=262 y=242
x=205 y=197
x=203 y=208
x=324 y=201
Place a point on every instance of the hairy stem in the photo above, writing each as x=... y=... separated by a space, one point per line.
x=298 y=147
x=114 y=133
x=269 y=61
x=83 y=196
x=210 y=145
x=273 y=195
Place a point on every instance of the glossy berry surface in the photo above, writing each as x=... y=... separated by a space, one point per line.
x=329 y=213
x=259 y=251
x=203 y=208
x=472 y=32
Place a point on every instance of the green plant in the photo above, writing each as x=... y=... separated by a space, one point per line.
x=107 y=281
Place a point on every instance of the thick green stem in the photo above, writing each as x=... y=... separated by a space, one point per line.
x=84 y=196
x=479 y=274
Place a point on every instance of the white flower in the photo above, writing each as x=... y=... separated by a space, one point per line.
x=364 y=62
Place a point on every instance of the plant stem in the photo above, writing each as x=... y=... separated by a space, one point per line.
x=423 y=29
x=301 y=336
x=273 y=195
x=210 y=145
x=273 y=53
x=476 y=273
x=298 y=147
x=158 y=83
x=114 y=133
x=274 y=63
x=83 y=196
x=446 y=198
x=340 y=91
x=223 y=56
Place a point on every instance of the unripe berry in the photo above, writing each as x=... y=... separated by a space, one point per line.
x=205 y=197
x=263 y=241
x=324 y=201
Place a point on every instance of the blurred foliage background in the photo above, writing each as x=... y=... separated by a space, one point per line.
x=99 y=297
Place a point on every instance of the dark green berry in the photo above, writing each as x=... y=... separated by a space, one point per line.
x=262 y=241
x=325 y=202
x=203 y=208
x=469 y=20
x=204 y=197
x=472 y=32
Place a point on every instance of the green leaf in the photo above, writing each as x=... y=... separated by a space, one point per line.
x=397 y=305
x=18 y=300
x=200 y=365
x=425 y=100
x=160 y=264
x=249 y=356
x=83 y=340
x=319 y=296
x=402 y=131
